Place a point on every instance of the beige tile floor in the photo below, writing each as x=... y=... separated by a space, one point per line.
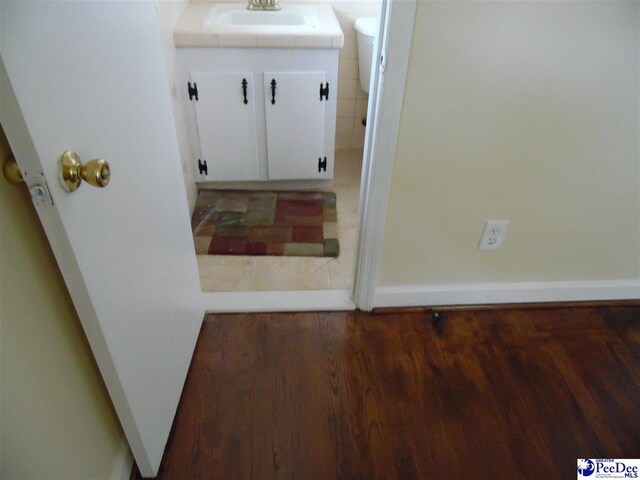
x=226 y=273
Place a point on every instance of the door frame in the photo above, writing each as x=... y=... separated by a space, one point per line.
x=388 y=77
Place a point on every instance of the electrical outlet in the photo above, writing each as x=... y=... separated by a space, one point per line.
x=493 y=235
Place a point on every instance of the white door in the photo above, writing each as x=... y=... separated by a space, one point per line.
x=226 y=114
x=89 y=77
x=295 y=125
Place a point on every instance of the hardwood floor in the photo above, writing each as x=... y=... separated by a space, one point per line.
x=478 y=394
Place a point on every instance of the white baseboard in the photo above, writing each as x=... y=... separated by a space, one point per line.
x=123 y=463
x=293 y=301
x=489 y=293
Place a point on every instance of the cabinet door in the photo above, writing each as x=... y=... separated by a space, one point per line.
x=227 y=125
x=295 y=125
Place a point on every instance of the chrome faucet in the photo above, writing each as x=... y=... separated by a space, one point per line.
x=263 y=5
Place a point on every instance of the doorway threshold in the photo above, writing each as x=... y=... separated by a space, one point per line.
x=278 y=301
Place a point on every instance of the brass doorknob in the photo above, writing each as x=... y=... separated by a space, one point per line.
x=71 y=172
x=12 y=171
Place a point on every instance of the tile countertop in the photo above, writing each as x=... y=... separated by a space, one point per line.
x=190 y=32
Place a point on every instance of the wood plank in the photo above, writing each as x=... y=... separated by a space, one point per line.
x=508 y=393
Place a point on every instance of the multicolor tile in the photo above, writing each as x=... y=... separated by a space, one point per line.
x=231 y=230
x=232 y=202
x=231 y=222
x=207 y=198
x=307 y=234
x=272 y=233
x=256 y=248
x=262 y=201
x=329 y=198
x=298 y=220
x=303 y=195
x=231 y=218
x=306 y=208
x=303 y=249
x=204 y=230
x=275 y=249
x=202 y=245
x=331 y=247
x=228 y=246
x=260 y=217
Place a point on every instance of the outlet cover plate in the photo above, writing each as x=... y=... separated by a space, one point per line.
x=493 y=235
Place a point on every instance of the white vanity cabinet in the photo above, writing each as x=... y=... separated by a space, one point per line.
x=295 y=125
x=285 y=130
x=226 y=123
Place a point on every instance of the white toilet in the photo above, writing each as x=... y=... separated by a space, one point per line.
x=367 y=28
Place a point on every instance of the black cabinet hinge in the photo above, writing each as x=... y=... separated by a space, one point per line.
x=322 y=164
x=273 y=91
x=324 y=91
x=202 y=167
x=244 y=90
x=193 y=90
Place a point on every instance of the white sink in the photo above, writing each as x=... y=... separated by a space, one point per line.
x=296 y=25
x=235 y=16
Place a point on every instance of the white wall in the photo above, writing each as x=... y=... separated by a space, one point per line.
x=352 y=100
x=169 y=13
x=56 y=419
x=527 y=112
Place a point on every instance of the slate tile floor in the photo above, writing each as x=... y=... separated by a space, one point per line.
x=228 y=222
x=235 y=273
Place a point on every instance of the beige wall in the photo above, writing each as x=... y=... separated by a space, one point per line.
x=519 y=111
x=169 y=14
x=56 y=418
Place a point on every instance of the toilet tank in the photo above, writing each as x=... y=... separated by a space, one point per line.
x=367 y=29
